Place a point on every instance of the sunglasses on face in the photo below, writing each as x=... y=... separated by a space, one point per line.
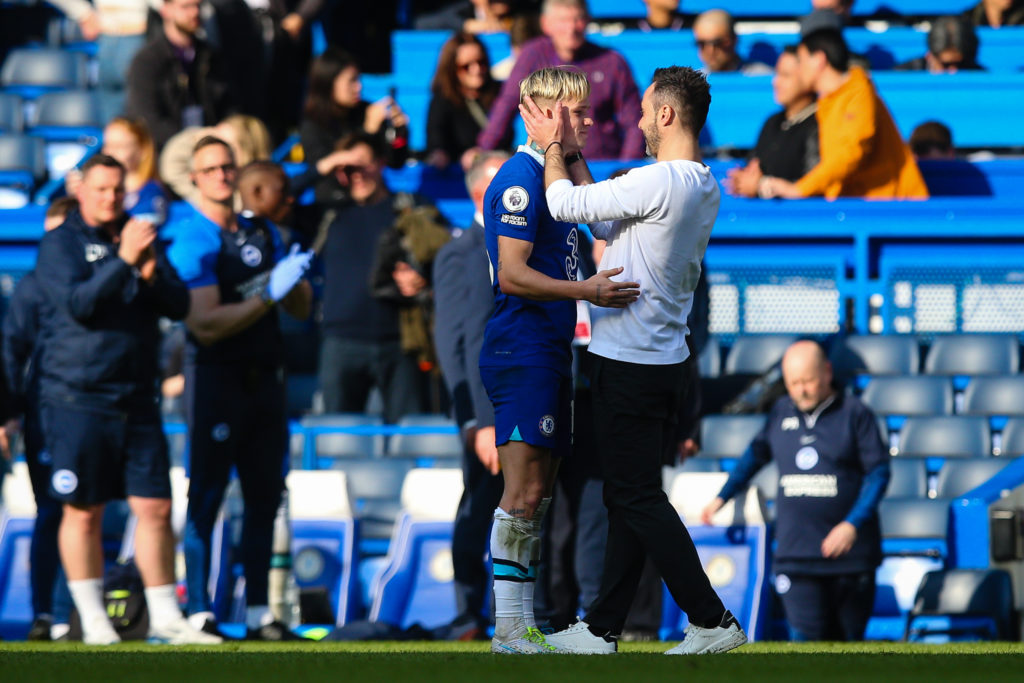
x=715 y=43
x=224 y=168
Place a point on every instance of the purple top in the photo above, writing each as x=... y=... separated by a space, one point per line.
x=614 y=100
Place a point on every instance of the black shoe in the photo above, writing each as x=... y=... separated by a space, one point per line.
x=275 y=631
x=210 y=626
x=40 y=629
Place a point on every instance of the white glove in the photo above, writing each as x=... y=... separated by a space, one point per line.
x=287 y=273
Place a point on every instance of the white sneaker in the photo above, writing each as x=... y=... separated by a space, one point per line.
x=180 y=632
x=578 y=640
x=705 y=641
x=531 y=643
x=100 y=633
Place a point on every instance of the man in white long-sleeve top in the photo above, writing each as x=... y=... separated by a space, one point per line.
x=657 y=220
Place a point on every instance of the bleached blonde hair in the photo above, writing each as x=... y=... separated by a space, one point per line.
x=555 y=83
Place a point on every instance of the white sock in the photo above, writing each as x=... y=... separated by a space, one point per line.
x=87 y=595
x=259 y=615
x=533 y=553
x=199 y=619
x=162 y=603
x=510 y=558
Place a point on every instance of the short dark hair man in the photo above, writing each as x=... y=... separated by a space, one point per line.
x=175 y=80
x=237 y=272
x=833 y=470
x=657 y=220
x=105 y=284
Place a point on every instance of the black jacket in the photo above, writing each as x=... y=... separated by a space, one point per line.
x=159 y=88
x=22 y=342
x=101 y=320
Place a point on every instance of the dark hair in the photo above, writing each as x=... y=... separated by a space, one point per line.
x=101 y=159
x=353 y=140
x=262 y=167
x=446 y=78
x=953 y=33
x=830 y=42
x=789 y=50
x=687 y=91
x=320 y=105
x=61 y=206
x=931 y=136
x=209 y=141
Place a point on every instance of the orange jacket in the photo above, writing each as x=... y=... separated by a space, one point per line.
x=862 y=152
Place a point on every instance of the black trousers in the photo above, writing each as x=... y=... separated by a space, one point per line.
x=830 y=607
x=481 y=493
x=635 y=409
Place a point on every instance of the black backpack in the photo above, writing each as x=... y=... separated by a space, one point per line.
x=125 y=601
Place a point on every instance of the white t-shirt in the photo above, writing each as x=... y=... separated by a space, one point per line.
x=657 y=220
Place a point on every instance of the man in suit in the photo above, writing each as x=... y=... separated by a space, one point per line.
x=463 y=302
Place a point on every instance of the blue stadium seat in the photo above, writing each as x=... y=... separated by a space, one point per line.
x=12 y=114
x=872 y=354
x=908 y=478
x=1011 y=441
x=341 y=435
x=300 y=390
x=912 y=395
x=324 y=541
x=727 y=436
x=415 y=584
x=22 y=168
x=17 y=520
x=963 y=604
x=973 y=354
x=426 y=436
x=957 y=477
x=994 y=396
x=756 y=354
x=71 y=123
x=914 y=518
x=30 y=72
x=947 y=436
x=374 y=491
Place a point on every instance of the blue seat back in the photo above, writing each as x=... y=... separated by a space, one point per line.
x=947 y=436
x=994 y=396
x=973 y=354
x=727 y=436
x=31 y=72
x=909 y=395
x=957 y=477
x=755 y=354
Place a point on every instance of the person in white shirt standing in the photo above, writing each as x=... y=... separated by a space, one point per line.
x=657 y=220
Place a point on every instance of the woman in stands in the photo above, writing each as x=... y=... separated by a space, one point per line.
x=462 y=93
x=335 y=108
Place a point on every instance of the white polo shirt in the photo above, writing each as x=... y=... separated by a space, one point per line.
x=657 y=220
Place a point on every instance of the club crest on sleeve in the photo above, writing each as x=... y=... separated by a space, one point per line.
x=251 y=255
x=515 y=199
x=547 y=425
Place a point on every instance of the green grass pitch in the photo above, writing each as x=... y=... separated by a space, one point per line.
x=454 y=662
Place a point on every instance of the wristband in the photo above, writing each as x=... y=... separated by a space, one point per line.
x=571 y=159
x=265 y=297
x=551 y=144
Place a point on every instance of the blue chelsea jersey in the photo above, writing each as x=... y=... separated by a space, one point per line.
x=523 y=332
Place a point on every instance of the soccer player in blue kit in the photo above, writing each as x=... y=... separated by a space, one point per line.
x=526 y=358
x=237 y=272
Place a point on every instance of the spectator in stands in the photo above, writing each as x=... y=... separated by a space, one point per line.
x=862 y=153
x=237 y=271
x=614 y=99
x=662 y=15
x=788 y=144
x=952 y=47
x=524 y=28
x=335 y=108
x=175 y=80
x=246 y=135
x=996 y=13
x=105 y=285
x=932 y=140
x=22 y=348
x=361 y=346
x=119 y=29
x=714 y=31
x=833 y=472
x=263 y=188
x=129 y=142
x=471 y=16
x=843 y=8
x=463 y=300
x=462 y=94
